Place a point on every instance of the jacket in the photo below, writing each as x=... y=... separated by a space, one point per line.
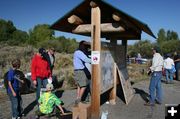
x=40 y=68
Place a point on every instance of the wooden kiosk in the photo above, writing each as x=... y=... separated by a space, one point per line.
x=98 y=19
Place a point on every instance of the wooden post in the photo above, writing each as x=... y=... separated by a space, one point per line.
x=124 y=43
x=112 y=95
x=112 y=98
x=96 y=71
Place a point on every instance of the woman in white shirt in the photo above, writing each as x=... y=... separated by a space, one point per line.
x=168 y=63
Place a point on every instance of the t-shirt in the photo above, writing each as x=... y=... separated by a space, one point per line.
x=14 y=82
x=47 y=102
x=157 y=62
x=168 y=62
x=78 y=59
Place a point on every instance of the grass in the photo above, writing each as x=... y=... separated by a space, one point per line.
x=138 y=72
x=63 y=66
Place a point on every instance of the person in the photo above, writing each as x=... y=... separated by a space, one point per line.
x=48 y=101
x=177 y=64
x=51 y=53
x=128 y=59
x=139 y=60
x=155 y=82
x=79 y=58
x=14 y=90
x=40 y=71
x=168 y=64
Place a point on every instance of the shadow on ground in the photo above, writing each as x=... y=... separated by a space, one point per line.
x=142 y=93
x=29 y=108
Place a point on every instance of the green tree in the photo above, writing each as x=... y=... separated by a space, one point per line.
x=168 y=41
x=161 y=36
x=19 y=37
x=6 y=30
x=142 y=47
x=40 y=33
x=171 y=35
x=170 y=46
x=60 y=44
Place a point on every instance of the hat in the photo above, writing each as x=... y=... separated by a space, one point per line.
x=42 y=50
x=49 y=86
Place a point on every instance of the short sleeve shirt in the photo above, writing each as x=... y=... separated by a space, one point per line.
x=14 y=82
x=47 y=102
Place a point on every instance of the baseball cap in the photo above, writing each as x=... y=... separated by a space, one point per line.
x=49 y=86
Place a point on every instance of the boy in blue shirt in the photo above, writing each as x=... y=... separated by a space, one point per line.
x=13 y=90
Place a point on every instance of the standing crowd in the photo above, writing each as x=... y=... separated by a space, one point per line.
x=171 y=69
x=42 y=65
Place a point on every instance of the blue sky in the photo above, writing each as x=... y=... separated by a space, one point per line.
x=25 y=14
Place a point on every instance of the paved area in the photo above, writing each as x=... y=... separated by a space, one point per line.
x=134 y=110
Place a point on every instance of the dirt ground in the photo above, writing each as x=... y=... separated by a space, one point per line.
x=134 y=110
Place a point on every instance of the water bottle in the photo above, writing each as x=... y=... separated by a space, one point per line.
x=104 y=115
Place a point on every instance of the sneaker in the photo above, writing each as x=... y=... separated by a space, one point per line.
x=149 y=104
x=23 y=114
x=157 y=102
x=85 y=102
x=16 y=117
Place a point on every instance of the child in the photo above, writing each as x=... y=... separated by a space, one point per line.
x=13 y=90
x=48 y=100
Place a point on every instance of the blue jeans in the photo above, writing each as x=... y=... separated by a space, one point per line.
x=169 y=75
x=155 y=85
x=16 y=104
x=40 y=84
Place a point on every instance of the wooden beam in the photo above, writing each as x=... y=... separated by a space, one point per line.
x=113 y=41
x=96 y=71
x=130 y=25
x=122 y=35
x=117 y=35
x=106 y=27
x=116 y=17
x=75 y=20
x=93 y=4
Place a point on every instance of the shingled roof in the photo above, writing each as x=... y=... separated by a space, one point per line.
x=132 y=27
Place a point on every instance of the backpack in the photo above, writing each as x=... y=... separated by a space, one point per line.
x=24 y=88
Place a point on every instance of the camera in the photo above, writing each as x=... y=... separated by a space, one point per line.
x=149 y=72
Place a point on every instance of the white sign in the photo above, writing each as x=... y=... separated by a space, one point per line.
x=95 y=57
